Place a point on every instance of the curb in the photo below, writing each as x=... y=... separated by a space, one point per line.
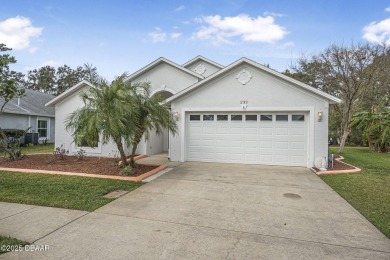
x=355 y=170
x=91 y=175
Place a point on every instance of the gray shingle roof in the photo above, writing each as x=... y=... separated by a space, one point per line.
x=33 y=103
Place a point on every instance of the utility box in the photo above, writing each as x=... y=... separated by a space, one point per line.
x=31 y=138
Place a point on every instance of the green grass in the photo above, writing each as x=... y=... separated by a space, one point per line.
x=39 y=148
x=368 y=191
x=9 y=241
x=70 y=192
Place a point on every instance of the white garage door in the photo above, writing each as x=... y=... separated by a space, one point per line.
x=257 y=138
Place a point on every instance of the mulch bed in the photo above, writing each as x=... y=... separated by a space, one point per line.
x=337 y=166
x=94 y=165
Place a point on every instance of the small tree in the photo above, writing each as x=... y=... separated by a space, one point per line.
x=375 y=125
x=152 y=115
x=121 y=112
x=8 y=90
x=107 y=112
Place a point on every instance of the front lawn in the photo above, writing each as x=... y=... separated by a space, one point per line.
x=34 y=149
x=9 y=243
x=39 y=148
x=368 y=191
x=70 y=192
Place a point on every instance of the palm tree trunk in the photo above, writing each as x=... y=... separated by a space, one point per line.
x=138 y=136
x=122 y=153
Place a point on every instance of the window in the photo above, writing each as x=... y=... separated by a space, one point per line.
x=298 y=117
x=281 y=117
x=236 y=117
x=194 y=117
x=222 y=117
x=208 y=117
x=93 y=142
x=265 y=117
x=42 y=128
x=250 y=117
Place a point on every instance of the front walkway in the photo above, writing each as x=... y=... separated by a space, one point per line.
x=220 y=211
x=161 y=159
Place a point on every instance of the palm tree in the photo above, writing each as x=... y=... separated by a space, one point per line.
x=152 y=115
x=375 y=125
x=121 y=112
x=108 y=112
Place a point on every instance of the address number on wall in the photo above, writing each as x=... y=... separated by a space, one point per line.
x=243 y=102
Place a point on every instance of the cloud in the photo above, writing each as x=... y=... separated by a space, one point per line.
x=248 y=29
x=180 y=8
x=378 y=32
x=17 y=32
x=387 y=9
x=51 y=63
x=273 y=14
x=157 y=35
x=33 y=50
x=175 y=35
x=286 y=45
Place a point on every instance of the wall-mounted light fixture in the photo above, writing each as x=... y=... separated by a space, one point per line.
x=176 y=115
x=319 y=116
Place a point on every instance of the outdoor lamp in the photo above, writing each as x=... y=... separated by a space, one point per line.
x=319 y=116
x=176 y=115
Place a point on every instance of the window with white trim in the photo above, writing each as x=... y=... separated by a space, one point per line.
x=42 y=128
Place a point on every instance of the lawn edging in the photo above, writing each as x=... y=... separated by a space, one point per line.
x=91 y=175
x=340 y=158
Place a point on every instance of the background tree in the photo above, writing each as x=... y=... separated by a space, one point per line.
x=56 y=81
x=349 y=73
x=375 y=125
x=42 y=79
x=9 y=89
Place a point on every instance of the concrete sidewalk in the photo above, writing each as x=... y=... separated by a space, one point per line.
x=213 y=211
x=31 y=223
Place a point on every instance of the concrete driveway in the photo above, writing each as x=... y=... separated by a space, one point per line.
x=221 y=211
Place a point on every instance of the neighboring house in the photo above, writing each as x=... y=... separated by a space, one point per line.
x=30 y=111
x=241 y=113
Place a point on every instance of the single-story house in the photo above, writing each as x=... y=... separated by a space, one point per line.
x=30 y=111
x=241 y=113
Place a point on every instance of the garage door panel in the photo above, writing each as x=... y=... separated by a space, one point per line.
x=297 y=145
x=281 y=145
x=281 y=131
x=280 y=158
x=223 y=130
x=265 y=142
x=251 y=144
x=250 y=131
x=251 y=157
x=236 y=143
x=222 y=144
x=236 y=130
x=208 y=143
x=266 y=131
x=297 y=131
x=297 y=159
